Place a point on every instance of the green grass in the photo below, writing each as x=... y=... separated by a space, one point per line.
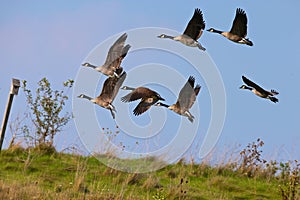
x=34 y=174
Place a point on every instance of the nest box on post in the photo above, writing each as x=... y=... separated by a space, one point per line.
x=14 y=88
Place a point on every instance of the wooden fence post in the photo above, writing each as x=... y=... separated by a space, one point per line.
x=13 y=91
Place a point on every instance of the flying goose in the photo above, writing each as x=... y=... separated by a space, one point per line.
x=109 y=91
x=148 y=98
x=192 y=32
x=116 y=54
x=258 y=90
x=238 y=30
x=186 y=99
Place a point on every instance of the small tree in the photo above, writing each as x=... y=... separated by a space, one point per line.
x=46 y=110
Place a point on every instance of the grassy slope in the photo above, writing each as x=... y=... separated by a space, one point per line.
x=37 y=175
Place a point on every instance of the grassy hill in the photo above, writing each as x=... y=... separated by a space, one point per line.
x=36 y=174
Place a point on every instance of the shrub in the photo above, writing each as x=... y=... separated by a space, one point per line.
x=46 y=111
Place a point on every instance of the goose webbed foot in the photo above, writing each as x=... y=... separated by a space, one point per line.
x=201 y=47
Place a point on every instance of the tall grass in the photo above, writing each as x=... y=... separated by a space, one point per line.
x=41 y=173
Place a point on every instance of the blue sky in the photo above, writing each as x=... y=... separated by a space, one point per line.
x=51 y=39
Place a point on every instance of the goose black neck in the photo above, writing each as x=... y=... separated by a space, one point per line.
x=128 y=88
x=170 y=37
x=248 y=88
x=217 y=31
x=164 y=105
x=90 y=65
x=85 y=97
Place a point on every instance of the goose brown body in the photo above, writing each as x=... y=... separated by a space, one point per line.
x=185 y=100
x=109 y=91
x=147 y=96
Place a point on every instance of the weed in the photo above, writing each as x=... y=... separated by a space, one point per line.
x=290 y=179
x=79 y=185
x=159 y=195
x=134 y=179
x=271 y=169
x=152 y=182
x=251 y=158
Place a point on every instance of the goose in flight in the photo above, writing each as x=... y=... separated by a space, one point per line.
x=256 y=89
x=238 y=30
x=186 y=99
x=192 y=32
x=109 y=91
x=116 y=54
x=148 y=98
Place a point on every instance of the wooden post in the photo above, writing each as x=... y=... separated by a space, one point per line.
x=13 y=91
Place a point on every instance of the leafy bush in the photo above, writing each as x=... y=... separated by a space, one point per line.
x=46 y=111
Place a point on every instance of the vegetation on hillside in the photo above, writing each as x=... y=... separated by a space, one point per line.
x=35 y=173
x=38 y=171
